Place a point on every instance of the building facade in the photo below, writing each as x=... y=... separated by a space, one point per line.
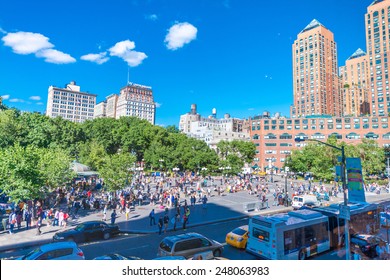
x=100 y=110
x=316 y=82
x=377 y=21
x=355 y=84
x=70 y=103
x=111 y=104
x=211 y=129
x=136 y=101
x=274 y=138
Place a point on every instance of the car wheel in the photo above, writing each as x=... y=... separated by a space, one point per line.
x=217 y=253
x=302 y=255
x=106 y=235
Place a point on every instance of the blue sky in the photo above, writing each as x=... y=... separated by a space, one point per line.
x=233 y=55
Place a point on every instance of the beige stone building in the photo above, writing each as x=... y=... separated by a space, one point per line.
x=70 y=103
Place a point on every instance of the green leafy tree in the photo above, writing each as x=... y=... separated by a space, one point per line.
x=19 y=176
x=10 y=128
x=92 y=154
x=54 y=165
x=116 y=170
x=373 y=157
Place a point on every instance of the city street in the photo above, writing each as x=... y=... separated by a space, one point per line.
x=139 y=239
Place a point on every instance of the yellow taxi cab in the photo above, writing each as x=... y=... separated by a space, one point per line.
x=238 y=237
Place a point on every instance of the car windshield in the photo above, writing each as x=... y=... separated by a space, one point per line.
x=79 y=227
x=239 y=231
x=32 y=255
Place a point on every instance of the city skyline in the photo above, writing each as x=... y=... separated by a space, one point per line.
x=235 y=56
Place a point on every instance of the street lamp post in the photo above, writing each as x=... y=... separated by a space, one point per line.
x=345 y=189
x=286 y=169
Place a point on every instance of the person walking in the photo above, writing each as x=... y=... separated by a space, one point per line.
x=127 y=210
x=160 y=224
x=39 y=225
x=174 y=220
x=186 y=218
x=105 y=212
x=166 y=222
x=113 y=217
x=12 y=222
x=27 y=218
x=5 y=223
x=204 y=202
x=152 y=218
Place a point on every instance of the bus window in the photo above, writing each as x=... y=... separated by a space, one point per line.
x=260 y=234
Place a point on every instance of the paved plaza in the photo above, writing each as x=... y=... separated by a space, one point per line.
x=227 y=206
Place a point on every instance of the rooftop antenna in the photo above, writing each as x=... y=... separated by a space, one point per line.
x=128 y=75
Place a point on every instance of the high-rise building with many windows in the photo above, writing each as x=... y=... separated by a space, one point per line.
x=377 y=21
x=316 y=83
x=136 y=101
x=355 y=84
x=70 y=103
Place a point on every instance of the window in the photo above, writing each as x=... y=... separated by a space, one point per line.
x=336 y=135
x=285 y=136
x=188 y=245
x=260 y=234
x=270 y=144
x=270 y=136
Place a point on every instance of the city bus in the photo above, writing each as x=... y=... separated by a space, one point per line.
x=364 y=219
x=295 y=235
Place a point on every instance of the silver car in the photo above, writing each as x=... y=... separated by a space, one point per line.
x=56 y=251
x=188 y=245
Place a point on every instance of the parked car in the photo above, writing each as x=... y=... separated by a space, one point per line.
x=88 y=231
x=187 y=245
x=117 y=257
x=305 y=200
x=55 y=251
x=366 y=243
x=238 y=237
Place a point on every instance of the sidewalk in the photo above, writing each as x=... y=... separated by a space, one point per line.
x=219 y=208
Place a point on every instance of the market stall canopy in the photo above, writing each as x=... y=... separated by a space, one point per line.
x=82 y=169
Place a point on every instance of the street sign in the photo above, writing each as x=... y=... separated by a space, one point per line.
x=344 y=212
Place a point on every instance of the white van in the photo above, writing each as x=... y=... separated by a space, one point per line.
x=305 y=200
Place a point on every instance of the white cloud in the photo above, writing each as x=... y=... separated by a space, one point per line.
x=35 y=97
x=16 y=100
x=26 y=42
x=5 y=97
x=179 y=35
x=251 y=109
x=124 y=50
x=98 y=58
x=152 y=17
x=39 y=103
x=158 y=105
x=54 y=56
x=3 y=31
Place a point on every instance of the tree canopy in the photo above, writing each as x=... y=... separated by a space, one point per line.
x=109 y=146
